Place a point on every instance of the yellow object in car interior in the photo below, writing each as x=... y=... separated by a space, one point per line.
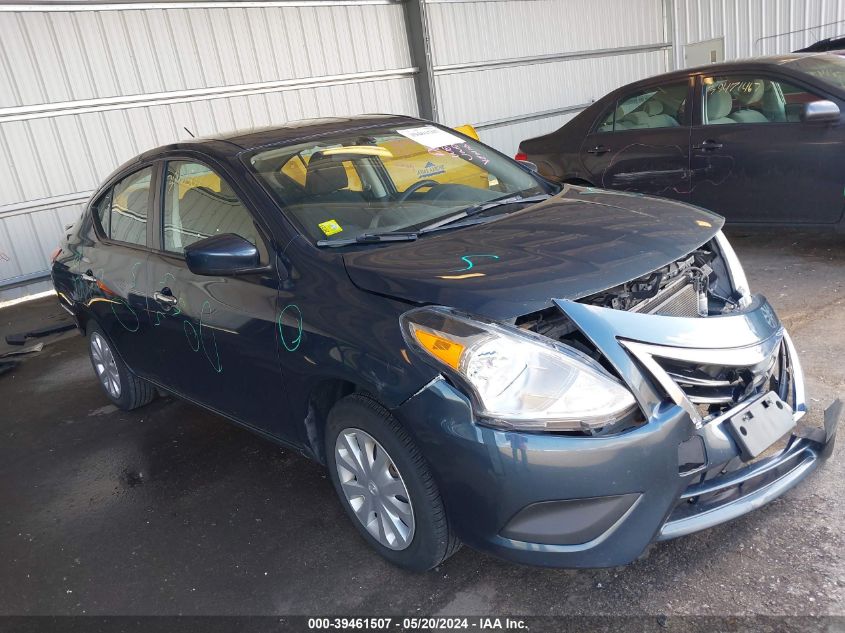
x=467 y=130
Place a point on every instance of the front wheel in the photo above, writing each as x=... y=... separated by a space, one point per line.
x=386 y=486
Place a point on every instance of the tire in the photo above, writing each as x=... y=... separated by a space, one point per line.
x=120 y=385
x=422 y=538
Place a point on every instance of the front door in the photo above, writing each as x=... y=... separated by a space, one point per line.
x=753 y=160
x=215 y=336
x=642 y=143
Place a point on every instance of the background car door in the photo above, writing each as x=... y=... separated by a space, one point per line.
x=114 y=279
x=753 y=160
x=215 y=336
x=642 y=142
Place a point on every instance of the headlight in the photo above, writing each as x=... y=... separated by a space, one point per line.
x=735 y=270
x=518 y=380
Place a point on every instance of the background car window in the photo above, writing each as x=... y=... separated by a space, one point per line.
x=656 y=107
x=129 y=207
x=731 y=100
x=198 y=203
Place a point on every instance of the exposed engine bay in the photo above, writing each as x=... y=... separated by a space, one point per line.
x=696 y=285
x=688 y=287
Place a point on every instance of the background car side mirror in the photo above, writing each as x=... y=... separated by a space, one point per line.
x=822 y=111
x=224 y=254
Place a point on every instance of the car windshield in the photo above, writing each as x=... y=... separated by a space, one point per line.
x=386 y=179
x=828 y=68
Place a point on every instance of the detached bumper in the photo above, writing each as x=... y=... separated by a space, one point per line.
x=569 y=501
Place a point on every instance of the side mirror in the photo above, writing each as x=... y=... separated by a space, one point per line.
x=224 y=254
x=823 y=111
x=532 y=167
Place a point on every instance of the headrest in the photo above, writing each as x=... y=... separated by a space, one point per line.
x=638 y=118
x=620 y=113
x=653 y=107
x=750 y=92
x=325 y=175
x=719 y=105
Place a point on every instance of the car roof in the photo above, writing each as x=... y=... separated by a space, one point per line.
x=751 y=63
x=232 y=143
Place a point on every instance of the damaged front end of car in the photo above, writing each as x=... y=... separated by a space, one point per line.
x=691 y=335
x=690 y=412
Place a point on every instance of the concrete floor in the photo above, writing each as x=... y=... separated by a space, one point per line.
x=170 y=509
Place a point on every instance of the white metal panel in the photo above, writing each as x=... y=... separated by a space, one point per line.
x=756 y=27
x=51 y=57
x=83 y=90
x=484 y=30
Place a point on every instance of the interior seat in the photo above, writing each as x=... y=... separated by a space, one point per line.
x=719 y=105
x=326 y=179
x=656 y=116
x=745 y=114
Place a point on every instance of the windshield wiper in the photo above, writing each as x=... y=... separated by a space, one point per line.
x=482 y=207
x=370 y=238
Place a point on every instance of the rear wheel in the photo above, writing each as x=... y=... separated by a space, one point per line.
x=122 y=387
x=386 y=486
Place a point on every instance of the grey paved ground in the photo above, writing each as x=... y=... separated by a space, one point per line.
x=172 y=510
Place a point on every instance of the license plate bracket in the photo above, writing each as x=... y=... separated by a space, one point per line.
x=761 y=424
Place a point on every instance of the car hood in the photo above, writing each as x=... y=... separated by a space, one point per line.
x=578 y=242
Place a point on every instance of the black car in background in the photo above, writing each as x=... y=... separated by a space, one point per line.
x=757 y=141
x=556 y=375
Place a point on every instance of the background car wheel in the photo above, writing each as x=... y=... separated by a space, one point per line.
x=122 y=387
x=386 y=486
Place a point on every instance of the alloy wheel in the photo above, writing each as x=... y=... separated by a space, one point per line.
x=105 y=365
x=374 y=488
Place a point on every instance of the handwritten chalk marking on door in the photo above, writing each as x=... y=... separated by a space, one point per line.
x=125 y=302
x=215 y=362
x=297 y=314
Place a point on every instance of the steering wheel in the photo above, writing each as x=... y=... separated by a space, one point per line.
x=417 y=185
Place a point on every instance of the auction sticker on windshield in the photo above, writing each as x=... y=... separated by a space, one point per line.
x=430 y=136
x=330 y=227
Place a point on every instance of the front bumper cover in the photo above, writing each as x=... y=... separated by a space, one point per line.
x=488 y=477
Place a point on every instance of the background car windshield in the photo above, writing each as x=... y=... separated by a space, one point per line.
x=387 y=179
x=828 y=68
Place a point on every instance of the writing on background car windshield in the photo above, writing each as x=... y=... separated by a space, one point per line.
x=462 y=151
x=430 y=136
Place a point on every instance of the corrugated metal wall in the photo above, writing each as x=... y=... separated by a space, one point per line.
x=518 y=68
x=83 y=90
x=756 y=27
x=86 y=85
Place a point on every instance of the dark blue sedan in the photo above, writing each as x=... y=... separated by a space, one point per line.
x=556 y=376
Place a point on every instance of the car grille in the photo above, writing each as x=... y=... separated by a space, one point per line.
x=709 y=382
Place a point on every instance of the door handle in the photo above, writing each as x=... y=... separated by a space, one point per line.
x=165 y=297
x=88 y=276
x=708 y=146
x=598 y=150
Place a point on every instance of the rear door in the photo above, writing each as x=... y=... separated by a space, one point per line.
x=113 y=280
x=641 y=143
x=215 y=336
x=754 y=161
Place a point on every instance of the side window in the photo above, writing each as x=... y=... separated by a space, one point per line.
x=655 y=107
x=130 y=201
x=198 y=203
x=746 y=99
x=102 y=213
